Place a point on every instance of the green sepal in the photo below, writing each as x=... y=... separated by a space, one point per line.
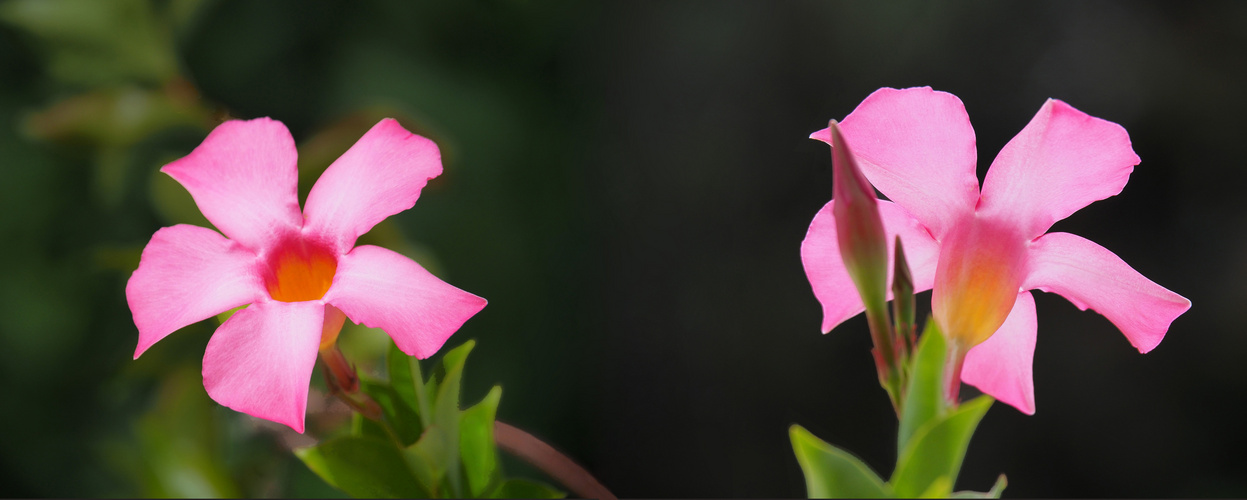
x=524 y=488
x=831 y=472
x=924 y=397
x=937 y=449
x=476 y=442
x=363 y=467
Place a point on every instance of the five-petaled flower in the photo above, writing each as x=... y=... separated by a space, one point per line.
x=982 y=252
x=298 y=272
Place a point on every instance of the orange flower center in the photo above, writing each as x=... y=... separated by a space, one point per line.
x=300 y=271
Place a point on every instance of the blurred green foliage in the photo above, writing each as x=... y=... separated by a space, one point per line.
x=87 y=43
x=423 y=446
x=100 y=94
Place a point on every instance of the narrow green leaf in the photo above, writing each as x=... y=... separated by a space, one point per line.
x=924 y=398
x=402 y=418
x=831 y=472
x=454 y=359
x=362 y=467
x=938 y=448
x=446 y=409
x=476 y=442
x=995 y=492
x=421 y=389
x=400 y=377
x=523 y=488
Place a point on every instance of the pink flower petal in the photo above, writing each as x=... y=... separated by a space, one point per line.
x=1001 y=365
x=381 y=175
x=383 y=289
x=244 y=177
x=260 y=360
x=1060 y=162
x=983 y=263
x=1090 y=276
x=917 y=147
x=188 y=274
x=820 y=253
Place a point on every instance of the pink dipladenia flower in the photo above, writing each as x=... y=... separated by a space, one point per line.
x=299 y=271
x=983 y=251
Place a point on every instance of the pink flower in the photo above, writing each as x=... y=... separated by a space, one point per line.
x=983 y=251
x=300 y=271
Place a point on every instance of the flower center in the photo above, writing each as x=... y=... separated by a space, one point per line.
x=299 y=271
x=980 y=271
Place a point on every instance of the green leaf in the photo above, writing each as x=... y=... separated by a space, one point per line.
x=454 y=359
x=938 y=448
x=402 y=418
x=831 y=472
x=364 y=426
x=476 y=442
x=941 y=487
x=221 y=318
x=523 y=488
x=432 y=457
x=401 y=379
x=446 y=409
x=421 y=390
x=362 y=467
x=435 y=457
x=924 y=398
x=995 y=492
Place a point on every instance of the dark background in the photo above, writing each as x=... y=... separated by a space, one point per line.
x=628 y=184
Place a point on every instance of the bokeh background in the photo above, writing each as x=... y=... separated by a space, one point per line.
x=628 y=183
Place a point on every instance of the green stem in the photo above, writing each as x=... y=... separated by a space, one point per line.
x=891 y=374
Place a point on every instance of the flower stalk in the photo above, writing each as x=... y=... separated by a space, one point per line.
x=545 y=457
x=343 y=382
x=954 y=363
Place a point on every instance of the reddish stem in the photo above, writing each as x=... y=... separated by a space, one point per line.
x=340 y=370
x=551 y=461
x=343 y=382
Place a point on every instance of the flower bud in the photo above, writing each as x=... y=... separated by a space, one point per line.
x=859 y=228
x=903 y=300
